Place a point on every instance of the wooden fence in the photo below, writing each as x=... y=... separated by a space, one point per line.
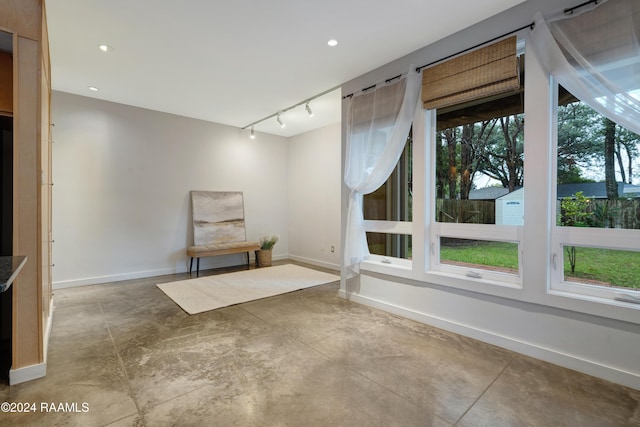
x=621 y=213
x=466 y=211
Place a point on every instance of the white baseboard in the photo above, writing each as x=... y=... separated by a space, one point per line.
x=117 y=277
x=315 y=262
x=589 y=367
x=27 y=373
x=32 y=372
x=212 y=262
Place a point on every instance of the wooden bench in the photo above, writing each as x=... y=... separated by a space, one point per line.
x=218 y=226
x=201 y=251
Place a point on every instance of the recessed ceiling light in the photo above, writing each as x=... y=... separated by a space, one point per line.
x=93 y=88
x=332 y=42
x=105 y=48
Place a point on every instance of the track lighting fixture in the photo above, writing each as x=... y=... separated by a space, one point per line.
x=279 y=114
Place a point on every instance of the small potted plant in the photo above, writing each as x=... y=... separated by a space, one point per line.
x=263 y=255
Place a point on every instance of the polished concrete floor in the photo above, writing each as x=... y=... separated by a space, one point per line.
x=132 y=357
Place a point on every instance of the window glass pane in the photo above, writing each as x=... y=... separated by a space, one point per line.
x=392 y=245
x=483 y=254
x=602 y=267
x=393 y=200
x=598 y=169
x=480 y=160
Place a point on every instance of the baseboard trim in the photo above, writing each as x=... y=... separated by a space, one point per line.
x=116 y=277
x=32 y=372
x=627 y=379
x=27 y=373
x=211 y=263
x=315 y=262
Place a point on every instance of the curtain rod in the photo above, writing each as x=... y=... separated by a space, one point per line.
x=418 y=69
x=570 y=10
x=476 y=46
x=374 y=85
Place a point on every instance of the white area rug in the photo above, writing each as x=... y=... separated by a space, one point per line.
x=211 y=292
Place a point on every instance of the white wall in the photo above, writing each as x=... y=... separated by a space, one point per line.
x=122 y=176
x=314 y=197
x=579 y=334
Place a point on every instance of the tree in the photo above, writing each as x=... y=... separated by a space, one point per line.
x=466 y=161
x=629 y=141
x=459 y=156
x=574 y=213
x=503 y=153
x=442 y=169
x=578 y=141
x=609 y=159
x=586 y=140
x=449 y=138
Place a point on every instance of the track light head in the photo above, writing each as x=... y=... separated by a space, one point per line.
x=308 y=108
x=252 y=135
x=279 y=120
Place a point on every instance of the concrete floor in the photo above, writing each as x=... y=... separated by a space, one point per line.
x=308 y=358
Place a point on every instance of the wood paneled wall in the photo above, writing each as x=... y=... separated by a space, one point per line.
x=23 y=17
x=26 y=20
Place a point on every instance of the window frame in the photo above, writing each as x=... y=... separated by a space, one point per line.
x=561 y=236
x=489 y=232
x=397 y=199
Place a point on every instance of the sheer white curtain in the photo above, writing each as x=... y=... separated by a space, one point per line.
x=378 y=125
x=595 y=54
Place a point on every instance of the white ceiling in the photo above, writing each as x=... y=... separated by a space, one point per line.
x=237 y=61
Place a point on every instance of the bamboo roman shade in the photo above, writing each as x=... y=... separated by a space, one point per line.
x=484 y=72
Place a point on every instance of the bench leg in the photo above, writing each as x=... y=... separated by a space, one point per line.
x=198 y=267
x=190 y=266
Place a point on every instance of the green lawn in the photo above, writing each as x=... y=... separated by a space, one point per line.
x=606 y=267
x=491 y=254
x=595 y=266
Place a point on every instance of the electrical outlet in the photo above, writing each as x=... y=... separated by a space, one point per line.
x=333 y=249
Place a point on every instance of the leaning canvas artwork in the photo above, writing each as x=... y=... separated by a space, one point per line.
x=218 y=217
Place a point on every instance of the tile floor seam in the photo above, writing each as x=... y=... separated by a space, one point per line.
x=124 y=369
x=513 y=356
x=578 y=415
x=293 y=336
x=162 y=402
x=361 y=374
x=405 y=398
x=350 y=369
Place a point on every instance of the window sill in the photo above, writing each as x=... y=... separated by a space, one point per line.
x=388 y=265
x=403 y=268
x=476 y=285
x=606 y=307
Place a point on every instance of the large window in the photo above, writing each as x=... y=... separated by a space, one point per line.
x=392 y=202
x=597 y=202
x=478 y=180
x=561 y=229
